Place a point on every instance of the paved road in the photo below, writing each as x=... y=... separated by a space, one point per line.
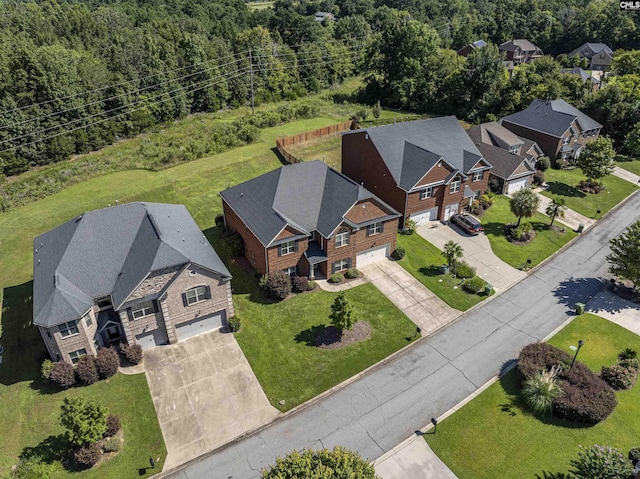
x=377 y=412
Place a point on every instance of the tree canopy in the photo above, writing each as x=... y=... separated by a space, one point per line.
x=342 y=315
x=596 y=158
x=85 y=420
x=624 y=259
x=524 y=202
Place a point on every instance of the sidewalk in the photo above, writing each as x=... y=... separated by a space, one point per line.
x=571 y=218
x=617 y=310
x=626 y=175
x=413 y=459
x=334 y=288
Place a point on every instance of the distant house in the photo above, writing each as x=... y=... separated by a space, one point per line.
x=135 y=273
x=520 y=51
x=426 y=169
x=599 y=55
x=307 y=219
x=513 y=158
x=467 y=49
x=584 y=76
x=322 y=16
x=557 y=127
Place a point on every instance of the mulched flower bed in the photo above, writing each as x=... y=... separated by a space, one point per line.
x=332 y=338
x=525 y=239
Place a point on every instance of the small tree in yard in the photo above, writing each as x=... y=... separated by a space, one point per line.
x=524 y=202
x=85 y=420
x=632 y=141
x=555 y=209
x=342 y=316
x=324 y=464
x=452 y=252
x=376 y=110
x=624 y=259
x=596 y=159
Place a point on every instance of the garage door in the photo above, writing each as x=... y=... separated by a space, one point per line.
x=516 y=185
x=372 y=255
x=151 y=339
x=424 y=216
x=199 y=325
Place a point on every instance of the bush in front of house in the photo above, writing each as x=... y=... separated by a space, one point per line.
x=63 y=375
x=132 y=352
x=86 y=370
x=46 y=368
x=111 y=444
x=234 y=324
x=352 y=273
x=311 y=285
x=463 y=270
x=399 y=253
x=234 y=242
x=219 y=221
x=300 y=284
x=473 y=285
x=560 y=164
x=538 y=178
x=409 y=227
x=107 y=362
x=88 y=455
x=277 y=284
x=599 y=462
x=543 y=163
x=113 y=426
x=336 y=278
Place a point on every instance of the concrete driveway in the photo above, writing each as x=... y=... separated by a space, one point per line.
x=477 y=252
x=205 y=395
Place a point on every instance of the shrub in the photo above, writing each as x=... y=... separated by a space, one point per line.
x=132 y=352
x=86 y=370
x=113 y=425
x=300 y=284
x=590 y=186
x=336 y=278
x=634 y=455
x=560 y=164
x=463 y=270
x=399 y=253
x=628 y=353
x=46 y=368
x=543 y=163
x=409 y=227
x=278 y=285
x=352 y=273
x=88 y=455
x=619 y=377
x=538 y=178
x=219 y=220
x=311 y=285
x=339 y=463
x=33 y=467
x=63 y=375
x=107 y=362
x=342 y=315
x=235 y=243
x=85 y=420
x=234 y=324
x=474 y=285
x=540 y=391
x=536 y=356
x=601 y=462
x=111 y=444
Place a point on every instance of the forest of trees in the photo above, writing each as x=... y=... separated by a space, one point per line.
x=75 y=76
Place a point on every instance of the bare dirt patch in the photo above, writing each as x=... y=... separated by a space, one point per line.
x=332 y=338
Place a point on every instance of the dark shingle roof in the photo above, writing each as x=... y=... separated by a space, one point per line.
x=588 y=50
x=504 y=163
x=551 y=117
x=584 y=76
x=525 y=45
x=309 y=196
x=410 y=149
x=109 y=252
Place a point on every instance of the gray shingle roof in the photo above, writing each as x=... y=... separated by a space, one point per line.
x=410 y=149
x=309 y=196
x=552 y=117
x=525 y=45
x=588 y=50
x=584 y=76
x=109 y=252
x=504 y=163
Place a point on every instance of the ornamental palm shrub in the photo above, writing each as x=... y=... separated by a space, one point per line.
x=452 y=252
x=541 y=390
x=601 y=462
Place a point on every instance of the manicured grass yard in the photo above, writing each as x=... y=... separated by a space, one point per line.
x=495 y=437
x=564 y=183
x=632 y=165
x=422 y=260
x=544 y=244
x=327 y=148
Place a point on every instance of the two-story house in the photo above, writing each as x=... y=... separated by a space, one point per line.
x=307 y=219
x=135 y=273
x=513 y=158
x=426 y=169
x=599 y=55
x=467 y=49
x=559 y=129
x=519 y=51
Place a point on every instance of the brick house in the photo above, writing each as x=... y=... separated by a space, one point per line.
x=467 y=49
x=513 y=158
x=520 y=51
x=135 y=273
x=559 y=129
x=426 y=169
x=599 y=55
x=309 y=220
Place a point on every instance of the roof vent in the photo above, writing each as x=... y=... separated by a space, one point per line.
x=241 y=195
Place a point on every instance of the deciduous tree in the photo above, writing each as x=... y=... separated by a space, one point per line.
x=624 y=259
x=323 y=464
x=596 y=159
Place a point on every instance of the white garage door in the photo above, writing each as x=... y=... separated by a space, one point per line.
x=516 y=185
x=199 y=325
x=151 y=339
x=372 y=255
x=424 y=216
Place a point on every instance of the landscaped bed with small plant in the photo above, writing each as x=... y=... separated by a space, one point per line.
x=497 y=435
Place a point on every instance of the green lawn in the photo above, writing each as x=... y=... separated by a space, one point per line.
x=259 y=5
x=328 y=149
x=422 y=260
x=544 y=244
x=563 y=183
x=494 y=437
x=631 y=165
x=29 y=416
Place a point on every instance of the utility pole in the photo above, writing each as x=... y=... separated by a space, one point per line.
x=251 y=77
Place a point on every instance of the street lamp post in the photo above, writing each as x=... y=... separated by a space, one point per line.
x=580 y=344
x=434 y=421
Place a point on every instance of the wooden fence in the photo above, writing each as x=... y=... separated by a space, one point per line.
x=285 y=141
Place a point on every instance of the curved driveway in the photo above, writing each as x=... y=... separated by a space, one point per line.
x=381 y=409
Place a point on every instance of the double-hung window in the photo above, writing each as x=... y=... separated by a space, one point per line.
x=76 y=355
x=477 y=176
x=341 y=265
x=291 y=271
x=455 y=186
x=374 y=229
x=68 y=329
x=566 y=140
x=197 y=294
x=143 y=309
x=288 y=247
x=342 y=239
x=426 y=193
